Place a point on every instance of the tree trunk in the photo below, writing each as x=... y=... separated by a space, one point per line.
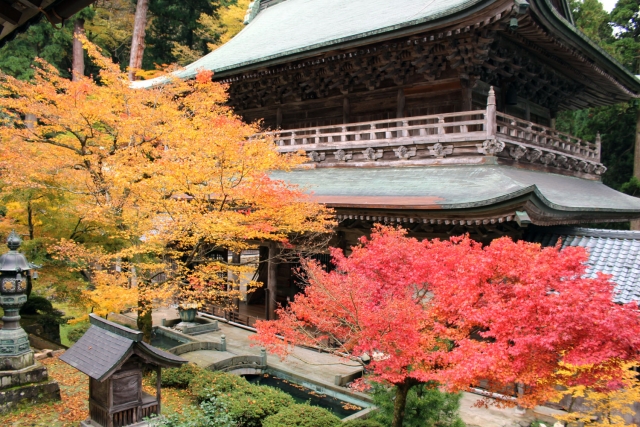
x=145 y=321
x=137 y=43
x=400 y=404
x=77 y=67
x=635 y=224
x=30 y=219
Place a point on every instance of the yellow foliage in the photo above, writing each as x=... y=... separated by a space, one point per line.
x=603 y=403
x=168 y=174
x=230 y=21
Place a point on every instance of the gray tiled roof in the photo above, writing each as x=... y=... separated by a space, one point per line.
x=97 y=352
x=455 y=187
x=610 y=251
x=106 y=345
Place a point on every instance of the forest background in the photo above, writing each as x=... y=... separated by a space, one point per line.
x=179 y=32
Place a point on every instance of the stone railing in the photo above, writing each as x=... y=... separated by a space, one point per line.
x=430 y=139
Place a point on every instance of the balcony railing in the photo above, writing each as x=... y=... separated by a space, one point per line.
x=486 y=132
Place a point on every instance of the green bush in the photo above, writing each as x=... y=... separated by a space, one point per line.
x=36 y=304
x=74 y=334
x=302 y=416
x=426 y=406
x=248 y=406
x=207 y=384
x=180 y=377
x=362 y=423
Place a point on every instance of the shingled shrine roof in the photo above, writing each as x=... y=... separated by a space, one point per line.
x=107 y=345
x=457 y=187
x=610 y=251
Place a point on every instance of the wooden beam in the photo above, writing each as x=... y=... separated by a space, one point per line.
x=10 y=14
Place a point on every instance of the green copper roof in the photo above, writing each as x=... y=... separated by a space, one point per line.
x=295 y=26
x=456 y=187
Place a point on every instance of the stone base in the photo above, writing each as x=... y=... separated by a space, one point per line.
x=33 y=374
x=31 y=393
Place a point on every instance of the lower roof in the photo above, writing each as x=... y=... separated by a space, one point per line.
x=610 y=251
x=458 y=187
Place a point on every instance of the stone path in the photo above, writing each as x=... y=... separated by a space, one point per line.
x=323 y=367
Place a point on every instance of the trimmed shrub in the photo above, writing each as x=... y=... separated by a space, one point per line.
x=74 y=334
x=250 y=405
x=207 y=384
x=180 y=377
x=362 y=423
x=302 y=416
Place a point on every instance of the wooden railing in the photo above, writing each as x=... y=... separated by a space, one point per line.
x=478 y=125
x=125 y=418
x=439 y=127
x=146 y=411
x=545 y=137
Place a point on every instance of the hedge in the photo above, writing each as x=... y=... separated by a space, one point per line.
x=302 y=416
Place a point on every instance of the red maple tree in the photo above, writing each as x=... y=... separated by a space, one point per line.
x=455 y=313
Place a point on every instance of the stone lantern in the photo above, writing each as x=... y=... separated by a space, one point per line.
x=15 y=273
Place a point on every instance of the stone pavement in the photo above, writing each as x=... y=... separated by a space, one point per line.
x=323 y=367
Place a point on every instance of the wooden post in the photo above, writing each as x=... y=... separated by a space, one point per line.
x=467 y=95
x=491 y=119
x=159 y=388
x=278 y=118
x=346 y=110
x=401 y=103
x=272 y=281
x=598 y=147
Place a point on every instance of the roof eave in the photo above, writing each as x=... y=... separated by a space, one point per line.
x=574 y=37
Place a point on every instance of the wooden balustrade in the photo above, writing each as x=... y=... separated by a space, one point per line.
x=98 y=414
x=478 y=125
x=545 y=137
x=439 y=127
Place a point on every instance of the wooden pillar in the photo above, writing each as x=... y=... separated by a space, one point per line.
x=527 y=111
x=467 y=95
x=491 y=119
x=159 y=388
x=346 y=110
x=272 y=281
x=401 y=102
x=279 y=118
x=635 y=224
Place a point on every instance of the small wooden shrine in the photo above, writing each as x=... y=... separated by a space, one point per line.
x=114 y=357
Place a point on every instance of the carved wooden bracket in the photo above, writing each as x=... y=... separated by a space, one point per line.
x=371 y=154
x=405 y=153
x=440 y=151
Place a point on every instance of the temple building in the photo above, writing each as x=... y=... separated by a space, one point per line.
x=437 y=115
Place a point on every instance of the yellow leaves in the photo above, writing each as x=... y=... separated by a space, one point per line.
x=604 y=403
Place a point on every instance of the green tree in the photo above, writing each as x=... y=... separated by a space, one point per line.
x=173 y=34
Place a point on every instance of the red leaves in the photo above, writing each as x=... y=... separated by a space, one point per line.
x=456 y=312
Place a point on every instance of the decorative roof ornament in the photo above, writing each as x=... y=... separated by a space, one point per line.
x=14 y=241
x=252 y=12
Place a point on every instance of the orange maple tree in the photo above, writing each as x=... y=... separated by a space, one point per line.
x=454 y=313
x=167 y=173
